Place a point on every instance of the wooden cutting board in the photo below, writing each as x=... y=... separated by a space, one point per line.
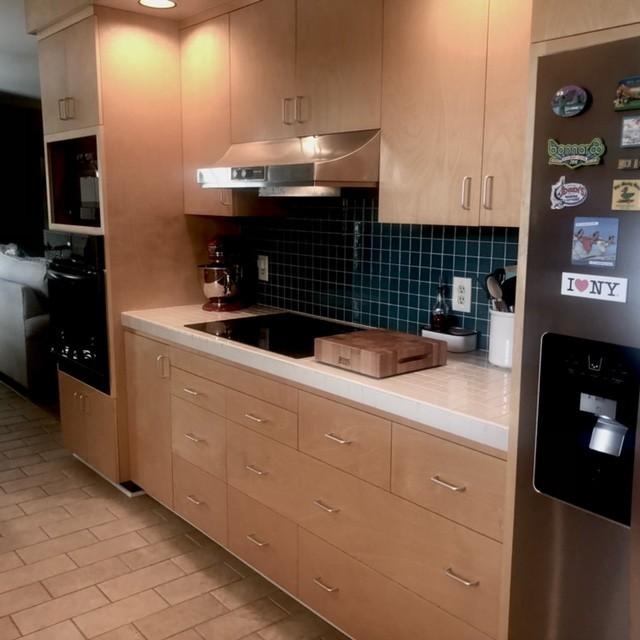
x=380 y=353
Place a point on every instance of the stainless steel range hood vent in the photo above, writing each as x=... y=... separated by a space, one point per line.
x=333 y=160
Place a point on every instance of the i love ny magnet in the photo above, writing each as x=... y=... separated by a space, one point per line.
x=583 y=285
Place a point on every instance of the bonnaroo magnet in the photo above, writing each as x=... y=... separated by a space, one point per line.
x=567 y=194
x=569 y=101
x=575 y=155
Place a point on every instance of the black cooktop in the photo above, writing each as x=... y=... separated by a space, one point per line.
x=290 y=334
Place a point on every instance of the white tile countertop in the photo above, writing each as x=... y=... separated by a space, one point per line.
x=468 y=397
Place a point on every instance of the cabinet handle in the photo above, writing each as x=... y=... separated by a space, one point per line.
x=465 y=196
x=191 y=392
x=190 y=436
x=467 y=583
x=250 y=416
x=487 y=192
x=258 y=472
x=325 y=587
x=61 y=109
x=160 y=360
x=447 y=485
x=194 y=500
x=69 y=108
x=334 y=438
x=285 y=111
x=298 y=110
x=325 y=507
x=259 y=543
x=223 y=201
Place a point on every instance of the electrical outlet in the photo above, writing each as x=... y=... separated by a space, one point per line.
x=461 y=295
x=263 y=268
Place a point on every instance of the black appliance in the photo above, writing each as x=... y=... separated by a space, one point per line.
x=289 y=334
x=78 y=308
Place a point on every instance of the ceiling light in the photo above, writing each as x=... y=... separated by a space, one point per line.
x=157 y=4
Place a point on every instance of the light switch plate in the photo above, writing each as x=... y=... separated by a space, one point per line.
x=461 y=294
x=263 y=268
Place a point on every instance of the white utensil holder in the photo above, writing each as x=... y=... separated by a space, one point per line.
x=501 y=338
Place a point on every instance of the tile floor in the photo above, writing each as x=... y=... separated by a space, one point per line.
x=80 y=560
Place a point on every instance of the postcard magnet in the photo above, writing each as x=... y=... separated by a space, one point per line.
x=630 y=136
x=595 y=242
x=567 y=194
x=575 y=155
x=626 y=195
x=628 y=94
x=569 y=101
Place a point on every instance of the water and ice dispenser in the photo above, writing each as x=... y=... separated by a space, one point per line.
x=587 y=419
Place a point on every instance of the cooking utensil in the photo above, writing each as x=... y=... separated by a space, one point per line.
x=509 y=291
x=495 y=291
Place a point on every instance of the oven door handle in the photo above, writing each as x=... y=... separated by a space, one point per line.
x=59 y=275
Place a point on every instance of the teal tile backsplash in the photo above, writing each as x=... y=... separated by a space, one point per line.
x=335 y=260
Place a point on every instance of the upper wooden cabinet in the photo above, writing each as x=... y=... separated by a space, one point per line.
x=559 y=18
x=69 y=78
x=305 y=67
x=452 y=124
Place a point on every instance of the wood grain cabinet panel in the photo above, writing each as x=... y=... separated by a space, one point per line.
x=149 y=413
x=556 y=19
x=347 y=438
x=367 y=605
x=200 y=499
x=263 y=417
x=198 y=391
x=458 y=483
x=72 y=421
x=199 y=436
x=264 y=539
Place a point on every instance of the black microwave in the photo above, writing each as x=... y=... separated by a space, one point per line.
x=74 y=182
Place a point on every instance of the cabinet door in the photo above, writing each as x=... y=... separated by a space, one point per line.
x=74 y=435
x=263 y=40
x=338 y=65
x=554 y=19
x=206 y=131
x=149 y=411
x=432 y=110
x=69 y=78
x=100 y=425
x=505 y=112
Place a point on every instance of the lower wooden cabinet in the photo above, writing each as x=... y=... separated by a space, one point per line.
x=365 y=604
x=264 y=539
x=88 y=419
x=200 y=499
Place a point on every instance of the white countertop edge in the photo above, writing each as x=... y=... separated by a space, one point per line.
x=330 y=381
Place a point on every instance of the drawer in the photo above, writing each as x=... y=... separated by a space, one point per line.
x=267 y=419
x=347 y=438
x=258 y=386
x=199 y=391
x=200 y=499
x=367 y=605
x=457 y=482
x=266 y=470
x=430 y=555
x=199 y=436
x=264 y=539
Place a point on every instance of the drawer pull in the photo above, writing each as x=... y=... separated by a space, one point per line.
x=325 y=587
x=467 y=583
x=334 y=438
x=258 y=472
x=259 y=543
x=190 y=436
x=325 y=507
x=191 y=392
x=447 y=485
x=194 y=500
x=250 y=416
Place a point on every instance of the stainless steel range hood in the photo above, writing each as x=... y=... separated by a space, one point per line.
x=308 y=166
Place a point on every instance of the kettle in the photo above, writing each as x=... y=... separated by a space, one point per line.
x=220 y=279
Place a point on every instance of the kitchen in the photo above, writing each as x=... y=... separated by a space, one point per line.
x=346 y=491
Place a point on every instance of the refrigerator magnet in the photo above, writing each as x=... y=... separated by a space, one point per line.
x=626 y=195
x=567 y=194
x=584 y=285
x=575 y=155
x=595 y=242
x=630 y=136
x=628 y=164
x=569 y=101
x=627 y=94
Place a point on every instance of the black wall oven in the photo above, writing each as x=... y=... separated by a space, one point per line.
x=78 y=308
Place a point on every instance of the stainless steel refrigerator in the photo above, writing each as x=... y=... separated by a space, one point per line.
x=573 y=539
